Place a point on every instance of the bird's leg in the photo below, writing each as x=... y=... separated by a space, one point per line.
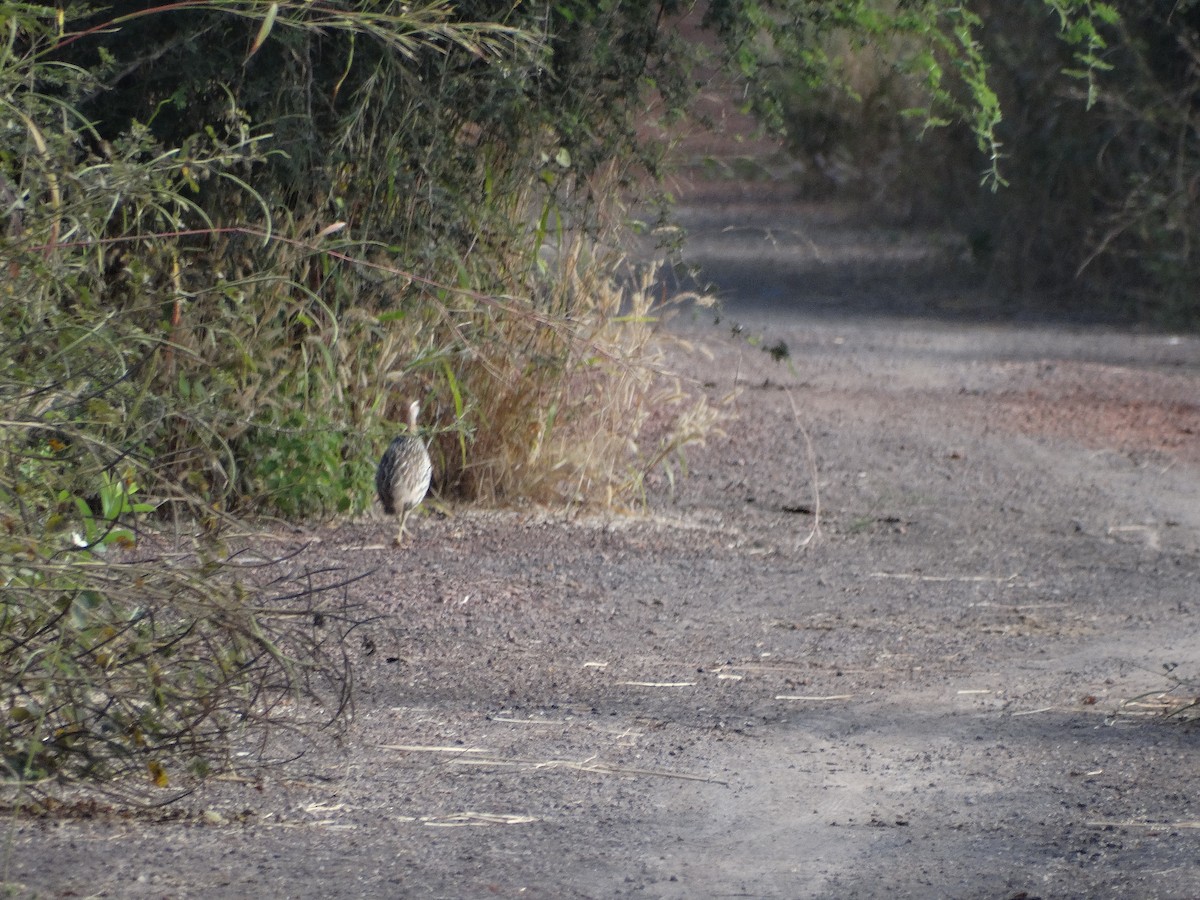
x=400 y=533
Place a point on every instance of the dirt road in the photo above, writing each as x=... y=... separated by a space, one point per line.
x=923 y=700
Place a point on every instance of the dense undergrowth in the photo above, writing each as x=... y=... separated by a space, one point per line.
x=238 y=237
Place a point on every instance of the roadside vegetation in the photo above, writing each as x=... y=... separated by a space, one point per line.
x=238 y=236
x=1077 y=185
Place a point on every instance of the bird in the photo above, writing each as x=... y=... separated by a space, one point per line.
x=402 y=478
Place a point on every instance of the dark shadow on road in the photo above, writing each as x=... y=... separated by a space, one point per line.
x=826 y=263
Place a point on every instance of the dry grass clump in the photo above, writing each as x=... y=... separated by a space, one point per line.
x=583 y=410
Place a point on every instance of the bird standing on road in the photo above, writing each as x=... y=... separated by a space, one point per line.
x=402 y=478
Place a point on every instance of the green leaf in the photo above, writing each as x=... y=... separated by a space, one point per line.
x=264 y=30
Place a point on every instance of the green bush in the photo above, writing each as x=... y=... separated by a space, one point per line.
x=298 y=263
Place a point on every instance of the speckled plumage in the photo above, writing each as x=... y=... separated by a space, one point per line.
x=402 y=478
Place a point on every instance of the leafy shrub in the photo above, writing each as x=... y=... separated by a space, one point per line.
x=296 y=264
